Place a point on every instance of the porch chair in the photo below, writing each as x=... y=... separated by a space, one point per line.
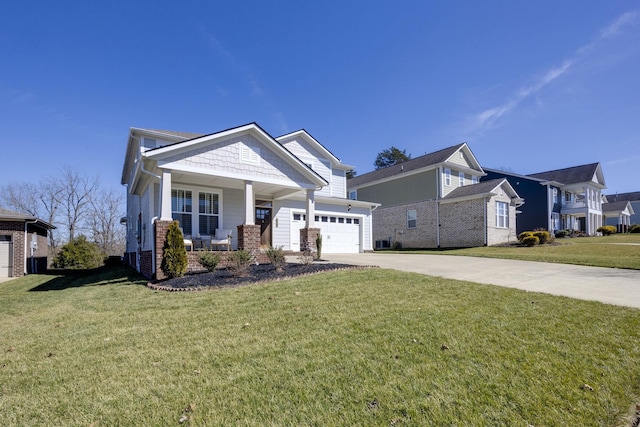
x=187 y=240
x=222 y=238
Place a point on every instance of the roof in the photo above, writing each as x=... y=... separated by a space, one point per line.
x=631 y=197
x=618 y=206
x=430 y=159
x=484 y=188
x=6 y=214
x=572 y=175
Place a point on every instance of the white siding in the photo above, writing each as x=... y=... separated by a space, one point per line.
x=232 y=212
x=224 y=157
x=338 y=183
x=281 y=225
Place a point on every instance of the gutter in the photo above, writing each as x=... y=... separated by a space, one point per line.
x=26 y=223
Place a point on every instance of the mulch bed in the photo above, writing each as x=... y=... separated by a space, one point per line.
x=261 y=273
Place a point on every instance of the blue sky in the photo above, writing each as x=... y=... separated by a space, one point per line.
x=530 y=86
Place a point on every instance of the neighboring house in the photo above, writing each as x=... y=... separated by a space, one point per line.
x=23 y=244
x=569 y=198
x=623 y=219
x=267 y=191
x=436 y=200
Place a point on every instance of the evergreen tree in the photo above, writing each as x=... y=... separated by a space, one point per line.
x=174 y=254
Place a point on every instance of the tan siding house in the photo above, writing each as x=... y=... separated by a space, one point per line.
x=436 y=200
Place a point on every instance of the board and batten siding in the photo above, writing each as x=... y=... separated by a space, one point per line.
x=409 y=189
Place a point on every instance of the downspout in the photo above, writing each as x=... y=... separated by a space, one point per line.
x=486 y=223
x=26 y=222
x=140 y=162
x=438 y=193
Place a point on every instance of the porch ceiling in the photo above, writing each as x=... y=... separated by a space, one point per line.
x=265 y=189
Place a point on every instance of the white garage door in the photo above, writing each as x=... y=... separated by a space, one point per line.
x=340 y=234
x=6 y=256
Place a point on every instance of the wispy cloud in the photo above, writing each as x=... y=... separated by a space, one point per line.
x=247 y=74
x=488 y=118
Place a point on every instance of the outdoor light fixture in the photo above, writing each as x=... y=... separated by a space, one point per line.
x=349 y=208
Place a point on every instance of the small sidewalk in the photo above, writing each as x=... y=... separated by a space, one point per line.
x=607 y=285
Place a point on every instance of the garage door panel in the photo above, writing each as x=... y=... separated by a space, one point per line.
x=6 y=256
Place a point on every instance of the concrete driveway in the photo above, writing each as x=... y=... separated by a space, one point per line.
x=607 y=285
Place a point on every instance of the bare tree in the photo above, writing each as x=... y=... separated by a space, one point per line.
x=21 y=197
x=74 y=196
x=39 y=200
x=104 y=220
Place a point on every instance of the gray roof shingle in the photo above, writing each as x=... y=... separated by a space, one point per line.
x=429 y=159
x=482 y=187
x=572 y=175
x=631 y=197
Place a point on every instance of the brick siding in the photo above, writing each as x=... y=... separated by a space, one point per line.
x=15 y=229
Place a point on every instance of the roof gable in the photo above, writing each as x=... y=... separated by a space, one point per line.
x=427 y=161
x=247 y=140
x=482 y=189
x=301 y=143
x=574 y=175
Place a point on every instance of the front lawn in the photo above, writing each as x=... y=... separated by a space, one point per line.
x=363 y=347
x=615 y=251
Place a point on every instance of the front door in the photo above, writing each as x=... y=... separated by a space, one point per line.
x=263 y=218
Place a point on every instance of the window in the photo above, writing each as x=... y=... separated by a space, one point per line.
x=412 y=218
x=349 y=220
x=353 y=195
x=297 y=217
x=341 y=220
x=474 y=179
x=461 y=178
x=333 y=219
x=502 y=215
x=447 y=177
x=208 y=213
x=555 y=195
x=181 y=209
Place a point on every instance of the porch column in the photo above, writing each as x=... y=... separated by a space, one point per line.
x=311 y=209
x=249 y=209
x=165 y=195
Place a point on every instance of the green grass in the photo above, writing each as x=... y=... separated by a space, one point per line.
x=615 y=251
x=362 y=347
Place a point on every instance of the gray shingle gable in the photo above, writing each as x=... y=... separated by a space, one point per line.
x=631 y=197
x=572 y=175
x=424 y=161
x=483 y=187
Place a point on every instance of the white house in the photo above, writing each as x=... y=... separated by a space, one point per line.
x=267 y=191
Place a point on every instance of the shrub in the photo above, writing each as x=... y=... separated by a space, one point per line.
x=174 y=254
x=542 y=235
x=530 y=240
x=209 y=260
x=606 y=230
x=562 y=233
x=635 y=228
x=79 y=254
x=319 y=245
x=277 y=258
x=306 y=257
x=240 y=261
x=524 y=234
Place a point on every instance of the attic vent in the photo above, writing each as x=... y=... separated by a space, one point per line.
x=250 y=155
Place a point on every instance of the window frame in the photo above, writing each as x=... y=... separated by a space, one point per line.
x=412 y=219
x=447 y=177
x=502 y=214
x=460 y=179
